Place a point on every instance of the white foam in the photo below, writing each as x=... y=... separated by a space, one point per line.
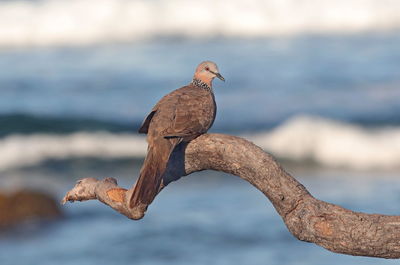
x=20 y=150
x=333 y=144
x=80 y=22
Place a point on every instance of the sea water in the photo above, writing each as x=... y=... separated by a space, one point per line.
x=319 y=92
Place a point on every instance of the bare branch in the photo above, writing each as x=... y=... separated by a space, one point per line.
x=328 y=225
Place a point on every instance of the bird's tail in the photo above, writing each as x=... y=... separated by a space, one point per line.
x=150 y=179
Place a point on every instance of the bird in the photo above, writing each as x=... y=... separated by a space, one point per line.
x=180 y=116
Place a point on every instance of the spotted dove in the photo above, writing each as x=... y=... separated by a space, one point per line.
x=180 y=116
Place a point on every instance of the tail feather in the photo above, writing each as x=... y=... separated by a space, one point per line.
x=150 y=178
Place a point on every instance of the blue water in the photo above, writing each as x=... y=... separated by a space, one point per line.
x=205 y=218
x=209 y=218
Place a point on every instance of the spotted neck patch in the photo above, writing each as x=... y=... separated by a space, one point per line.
x=201 y=84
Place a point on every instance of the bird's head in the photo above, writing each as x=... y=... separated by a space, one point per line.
x=206 y=72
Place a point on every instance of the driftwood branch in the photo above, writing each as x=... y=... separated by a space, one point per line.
x=308 y=219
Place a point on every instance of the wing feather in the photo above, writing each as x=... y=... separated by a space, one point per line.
x=144 y=128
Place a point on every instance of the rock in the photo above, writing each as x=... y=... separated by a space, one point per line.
x=27 y=205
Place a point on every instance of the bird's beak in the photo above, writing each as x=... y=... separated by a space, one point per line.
x=220 y=76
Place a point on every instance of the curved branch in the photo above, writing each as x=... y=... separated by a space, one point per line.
x=309 y=219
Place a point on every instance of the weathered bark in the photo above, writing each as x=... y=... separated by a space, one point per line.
x=309 y=219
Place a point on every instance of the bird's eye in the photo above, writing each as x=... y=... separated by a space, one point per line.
x=207 y=69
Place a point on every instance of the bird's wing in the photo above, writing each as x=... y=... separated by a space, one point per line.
x=165 y=108
x=188 y=117
x=144 y=128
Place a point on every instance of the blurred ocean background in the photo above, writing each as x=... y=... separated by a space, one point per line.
x=314 y=82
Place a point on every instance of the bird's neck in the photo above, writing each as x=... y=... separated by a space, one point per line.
x=201 y=84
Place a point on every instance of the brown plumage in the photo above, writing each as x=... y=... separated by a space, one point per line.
x=181 y=115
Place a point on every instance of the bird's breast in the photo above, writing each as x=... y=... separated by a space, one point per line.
x=209 y=111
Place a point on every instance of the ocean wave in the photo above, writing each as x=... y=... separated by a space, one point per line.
x=333 y=143
x=28 y=150
x=326 y=142
x=82 y=22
